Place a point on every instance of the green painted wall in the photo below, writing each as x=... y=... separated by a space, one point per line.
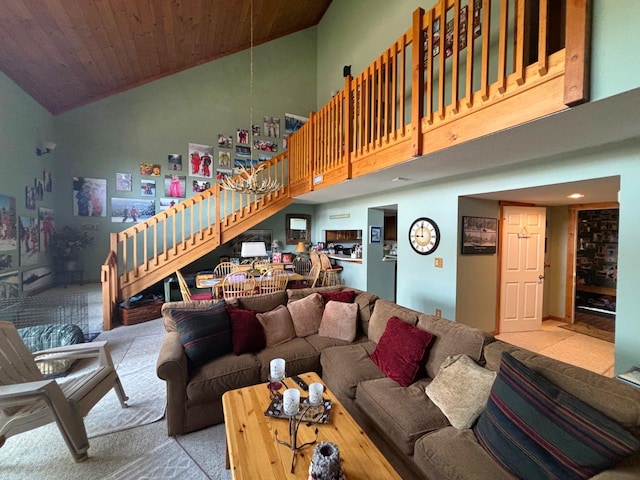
x=615 y=57
x=147 y=123
x=481 y=312
x=23 y=123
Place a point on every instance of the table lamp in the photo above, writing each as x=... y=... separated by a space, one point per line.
x=253 y=249
x=301 y=248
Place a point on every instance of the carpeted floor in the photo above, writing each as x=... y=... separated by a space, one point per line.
x=133 y=452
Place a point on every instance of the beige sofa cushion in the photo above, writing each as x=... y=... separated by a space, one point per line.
x=343 y=367
x=294 y=294
x=306 y=314
x=451 y=338
x=402 y=414
x=299 y=355
x=339 y=320
x=260 y=303
x=452 y=454
x=461 y=390
x=382 y=312
x=225 y=373
x=277 y=325
x=365 y=301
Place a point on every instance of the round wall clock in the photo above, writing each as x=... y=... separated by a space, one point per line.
x=424 y=236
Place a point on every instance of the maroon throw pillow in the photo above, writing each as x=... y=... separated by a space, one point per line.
x=400 y=350
x=346 y=296
x=247 y=332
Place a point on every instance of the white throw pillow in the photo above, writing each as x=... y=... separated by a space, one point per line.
x=461 y=390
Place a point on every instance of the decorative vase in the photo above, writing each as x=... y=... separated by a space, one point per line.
x=325 y=463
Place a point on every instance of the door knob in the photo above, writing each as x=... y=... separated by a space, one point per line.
x=540 y=277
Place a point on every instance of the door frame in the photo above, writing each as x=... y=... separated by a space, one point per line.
x=570 y=281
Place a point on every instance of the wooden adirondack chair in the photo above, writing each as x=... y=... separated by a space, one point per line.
x=28 y=401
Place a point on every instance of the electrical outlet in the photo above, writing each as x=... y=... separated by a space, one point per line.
x=438 y=262
x=438 y=312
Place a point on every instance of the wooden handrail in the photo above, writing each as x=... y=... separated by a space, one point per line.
x=152 y=249
x=458 y=73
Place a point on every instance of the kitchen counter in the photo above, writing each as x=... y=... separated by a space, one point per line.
x=344 y=258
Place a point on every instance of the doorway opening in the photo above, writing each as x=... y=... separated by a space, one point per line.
x=593 y=285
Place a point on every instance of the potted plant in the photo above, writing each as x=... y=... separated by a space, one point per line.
x=66 y=246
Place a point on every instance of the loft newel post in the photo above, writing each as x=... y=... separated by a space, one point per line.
x=577 y=52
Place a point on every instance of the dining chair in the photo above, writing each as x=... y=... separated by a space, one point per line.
x=273 y=280
x=312 y=278
x=222 y=270
x=28 y=401
x=238 y=284
x=225 y=268
x=187 y=296
x=302 y=265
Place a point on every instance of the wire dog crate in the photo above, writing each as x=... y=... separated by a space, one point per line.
x=46 y=309
x=47 y=321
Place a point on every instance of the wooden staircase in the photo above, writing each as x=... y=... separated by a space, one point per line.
x=148 y=252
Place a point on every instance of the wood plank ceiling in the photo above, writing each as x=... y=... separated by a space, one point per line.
x=67 y=53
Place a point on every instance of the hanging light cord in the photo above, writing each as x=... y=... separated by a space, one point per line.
x=251 y=88
x=252 y=180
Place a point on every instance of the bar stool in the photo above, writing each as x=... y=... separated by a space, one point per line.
x=331 y=274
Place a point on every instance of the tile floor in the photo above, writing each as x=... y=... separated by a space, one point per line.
x=574 y=348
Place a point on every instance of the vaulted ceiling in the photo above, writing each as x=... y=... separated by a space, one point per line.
x=66 y=53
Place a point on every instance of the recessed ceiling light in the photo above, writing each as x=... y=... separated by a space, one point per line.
x=575 y=196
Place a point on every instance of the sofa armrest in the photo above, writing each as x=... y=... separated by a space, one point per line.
x=172 y=368
x=627 y=469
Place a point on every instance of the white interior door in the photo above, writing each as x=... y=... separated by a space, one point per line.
x=522 y=269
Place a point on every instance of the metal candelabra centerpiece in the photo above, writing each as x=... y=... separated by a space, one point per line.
x=291 y=408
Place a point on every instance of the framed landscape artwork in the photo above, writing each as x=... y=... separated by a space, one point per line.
x=479 y=235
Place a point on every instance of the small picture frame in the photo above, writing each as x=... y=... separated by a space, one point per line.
x=375 y=234
x=287 y=257
x=479 y=235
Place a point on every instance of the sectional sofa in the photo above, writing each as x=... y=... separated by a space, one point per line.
x=441 y=400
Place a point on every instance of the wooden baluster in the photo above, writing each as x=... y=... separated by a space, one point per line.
x=470 y=57
x=428 y=78
x=520 y=43
x=502 y=46
x=455 y=58
x=486 y=32
x=543 y=61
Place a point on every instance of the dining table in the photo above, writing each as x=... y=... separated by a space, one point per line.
x=207 y=280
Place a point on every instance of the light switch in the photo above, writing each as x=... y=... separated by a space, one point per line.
x=438 y=262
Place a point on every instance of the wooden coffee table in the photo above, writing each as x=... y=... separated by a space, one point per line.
x=252 y=450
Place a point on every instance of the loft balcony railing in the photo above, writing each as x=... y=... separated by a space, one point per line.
x=462 y=70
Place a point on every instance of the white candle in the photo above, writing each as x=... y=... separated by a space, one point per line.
x=315 y=394
x=291 y=401
x=276 y=368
